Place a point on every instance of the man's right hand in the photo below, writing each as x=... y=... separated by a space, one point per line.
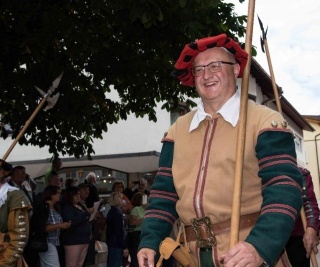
x=146 y=257
x=310 y=241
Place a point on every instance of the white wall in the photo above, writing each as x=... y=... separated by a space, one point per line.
x=134 y=135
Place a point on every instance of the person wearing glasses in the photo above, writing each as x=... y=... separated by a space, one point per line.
x=196 y=172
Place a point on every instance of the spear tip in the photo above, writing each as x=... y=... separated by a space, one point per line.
x=56 y=82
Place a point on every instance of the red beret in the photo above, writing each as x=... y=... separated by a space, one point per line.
x=184 y=63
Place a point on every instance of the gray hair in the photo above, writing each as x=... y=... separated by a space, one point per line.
x=91 y=178
x=91 y=175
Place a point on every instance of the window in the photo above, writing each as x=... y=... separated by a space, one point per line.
x=298 y=143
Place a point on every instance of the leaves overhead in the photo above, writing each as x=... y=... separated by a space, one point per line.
x=98 y=44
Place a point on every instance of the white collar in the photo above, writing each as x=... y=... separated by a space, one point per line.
x=229 y=111
x=5 y=188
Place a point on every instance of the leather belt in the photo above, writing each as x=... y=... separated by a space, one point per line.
x=220 y=228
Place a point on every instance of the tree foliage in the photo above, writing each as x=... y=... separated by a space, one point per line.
x=131 y=45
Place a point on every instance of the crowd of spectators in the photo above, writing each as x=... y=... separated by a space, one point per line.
x=62 y=223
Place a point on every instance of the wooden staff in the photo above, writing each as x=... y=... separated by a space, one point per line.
x=25 y=127
x=235 y=213
x=264 y=43
x=274 y=86
x=28 y=122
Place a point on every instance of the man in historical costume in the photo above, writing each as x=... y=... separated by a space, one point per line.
x=196 y=174
x=14 y=220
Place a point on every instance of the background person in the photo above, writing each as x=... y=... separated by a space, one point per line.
x=115 y=233
x=130 y=188
x=18 y=179
x=301 y=242
x=53 y=179
x=14 y=219
x=75 y=240
x=197 y=162
x=118 y=186
x=126 y=207
x=53 y=227
x=142 y=187
x=84 y=193
x=55 y=166
x=93 y=197
x=135 y=221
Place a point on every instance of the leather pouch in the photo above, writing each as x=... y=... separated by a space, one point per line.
x=169 y=247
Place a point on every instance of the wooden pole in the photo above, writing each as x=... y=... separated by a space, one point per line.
x=55 y=85
x=277 y=98
x=25 y=127
x=274 y=86
x=236 y=206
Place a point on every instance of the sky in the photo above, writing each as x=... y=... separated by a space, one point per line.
x=294 y=44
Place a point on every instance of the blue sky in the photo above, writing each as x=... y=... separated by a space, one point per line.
x=294 y=45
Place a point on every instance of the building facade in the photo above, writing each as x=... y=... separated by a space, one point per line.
x=312 y=149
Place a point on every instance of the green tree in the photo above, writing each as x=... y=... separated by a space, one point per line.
x=131 y=45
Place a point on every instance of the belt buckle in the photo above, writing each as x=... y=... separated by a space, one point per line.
x=203 y=227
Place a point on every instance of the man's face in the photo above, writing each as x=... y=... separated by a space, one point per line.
x=55 y=180
x=84 y=193
x=57 y=164
x=216 y=88
x=92 y=180
x=18 y=176
x=142 y=187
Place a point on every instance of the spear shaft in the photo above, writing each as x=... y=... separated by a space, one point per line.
x=274 y=86
x=25 y=127
x=277 y=98
x=236 y=206
x=45 y=98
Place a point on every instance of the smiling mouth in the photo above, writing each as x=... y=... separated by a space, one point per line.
x=210 y=83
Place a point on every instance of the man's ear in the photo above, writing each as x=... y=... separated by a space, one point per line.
x=236 y=70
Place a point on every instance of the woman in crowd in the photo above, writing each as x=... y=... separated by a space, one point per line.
x=126 y=207
x=118 y=186
x=53 y=227
x=75 y=239
x=115 y=232
x=135 y=220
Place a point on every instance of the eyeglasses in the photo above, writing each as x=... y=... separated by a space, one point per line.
x=213 y=67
